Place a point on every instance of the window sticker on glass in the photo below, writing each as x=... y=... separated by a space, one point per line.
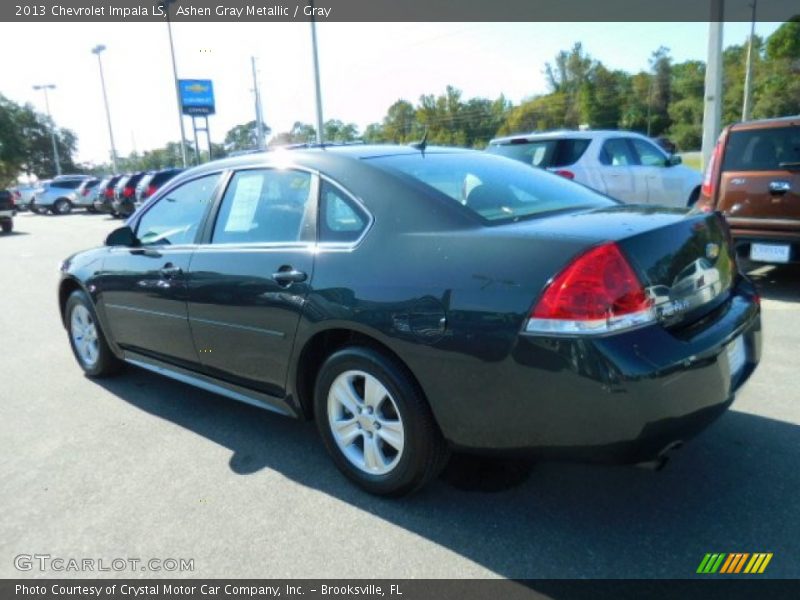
x=245 y=202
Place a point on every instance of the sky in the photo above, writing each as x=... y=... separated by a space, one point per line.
x=365 y=67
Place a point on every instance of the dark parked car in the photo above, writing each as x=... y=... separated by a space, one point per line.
x=355 y=285
x=753 y=178
x=8 y=209
x=124 y=194
x=149 y=184
x=105 y=194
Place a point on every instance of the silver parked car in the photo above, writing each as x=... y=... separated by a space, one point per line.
x=622 y=164
x=59 y=196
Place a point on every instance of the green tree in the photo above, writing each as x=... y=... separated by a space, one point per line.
x=245 y=136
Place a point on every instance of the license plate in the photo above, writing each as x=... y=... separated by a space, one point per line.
x=773 y=253
x=736 y=355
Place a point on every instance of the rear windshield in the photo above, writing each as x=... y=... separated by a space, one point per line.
x=163 y=176
x=543 y=153
x=494 y=188
x=762 y=149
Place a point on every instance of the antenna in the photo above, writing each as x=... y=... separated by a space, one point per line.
x=422 y=144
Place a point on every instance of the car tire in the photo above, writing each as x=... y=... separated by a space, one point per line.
x=7 y=226
x=62 y=206
x=388 y=442
x=86 y=338
x=693 y=197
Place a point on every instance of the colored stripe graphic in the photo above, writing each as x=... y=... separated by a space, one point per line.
x=730 y=563
x=711 y=563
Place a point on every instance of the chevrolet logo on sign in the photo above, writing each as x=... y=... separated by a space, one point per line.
x=197 y=96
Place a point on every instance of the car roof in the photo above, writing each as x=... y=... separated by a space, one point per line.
x=307 y=154
x=767 y=123
x=588 y=134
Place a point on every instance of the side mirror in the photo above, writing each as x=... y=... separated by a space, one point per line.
x=674 y=160
x=122 y=236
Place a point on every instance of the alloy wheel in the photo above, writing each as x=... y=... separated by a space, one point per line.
x=365 y=422
x=84 y=335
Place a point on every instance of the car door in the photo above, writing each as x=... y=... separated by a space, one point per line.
x=143 y=288
x=249 y=279
x=664 y=183
x=617 y=160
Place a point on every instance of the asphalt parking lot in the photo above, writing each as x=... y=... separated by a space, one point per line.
x=145 y=467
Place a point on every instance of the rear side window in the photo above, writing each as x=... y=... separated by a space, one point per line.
x=770 y=149
x=264 y=205
x=493 y=188
x=543 y=153
x=341 y=220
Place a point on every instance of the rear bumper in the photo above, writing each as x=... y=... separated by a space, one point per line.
x=621 y=398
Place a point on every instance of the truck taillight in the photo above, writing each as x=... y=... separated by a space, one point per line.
x=598 y=292
x=710 y=178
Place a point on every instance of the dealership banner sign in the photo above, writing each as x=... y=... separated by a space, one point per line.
x=392 y=10
x=398 y=589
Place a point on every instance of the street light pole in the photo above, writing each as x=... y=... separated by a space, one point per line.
x=316 y=74
x=97 y=50
x=44 y=88
x=748 y=77
x=712 y=110
x=259 y=111
x=165 y=5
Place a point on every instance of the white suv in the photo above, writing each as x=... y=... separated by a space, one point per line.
x=624 y=165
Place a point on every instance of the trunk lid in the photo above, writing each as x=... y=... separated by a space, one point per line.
x=685 y=260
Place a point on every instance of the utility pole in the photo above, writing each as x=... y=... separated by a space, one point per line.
x=316 y=74
x=259 y=113
x=748 y=77
x=712 y=110
x=44 y=88
x=97 y=50
x=165 y=5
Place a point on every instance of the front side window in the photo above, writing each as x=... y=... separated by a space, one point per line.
x=495 y=188
x=264 y=205
x=176 y=217
x=649 y=155
x=617 y=153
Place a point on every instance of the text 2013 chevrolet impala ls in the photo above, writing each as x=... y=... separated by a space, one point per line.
x=415 y=300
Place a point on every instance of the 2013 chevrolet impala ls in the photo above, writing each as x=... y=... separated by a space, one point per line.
x=416 y=300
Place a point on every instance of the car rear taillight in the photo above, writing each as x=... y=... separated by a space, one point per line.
x=565 y=173
x=109 y=192
x=598 y=292
x=151 y=189
x=127 y=192
x=85 y=192
x=710 y=178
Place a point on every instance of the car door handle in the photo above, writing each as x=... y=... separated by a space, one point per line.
x=169 y=271
x=779 y=187
x=287 y=275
